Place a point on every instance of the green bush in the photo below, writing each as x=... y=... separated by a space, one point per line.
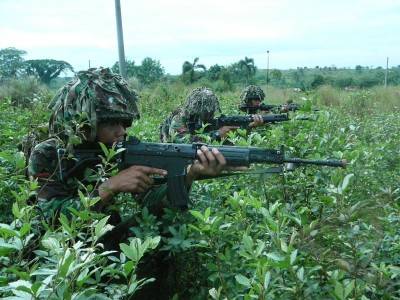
x=387 y=99
x=344 y=82
x=24 y=92
x=327 y=96
x=311 y=233
x=221 y=86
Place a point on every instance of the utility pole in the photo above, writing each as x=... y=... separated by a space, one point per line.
x=386 y=73
x=120 y=35
x=89 y=63
x=266 y=87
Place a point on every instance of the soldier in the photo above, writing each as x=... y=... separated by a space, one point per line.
x=252 y=102
x=252 y=96
x=97 y=106
x=200 y=107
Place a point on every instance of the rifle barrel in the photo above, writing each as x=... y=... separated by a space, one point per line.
x=275 y=118
x=330 y=162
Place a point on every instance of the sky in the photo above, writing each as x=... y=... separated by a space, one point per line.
x=297 y=33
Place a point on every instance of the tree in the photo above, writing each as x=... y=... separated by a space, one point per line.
x=298 y=78
x=150 y=71
x=317 y=81
x=247 y=64
x=214 y=72
x=226 y=78
x=343 y=82
x=192 y=71
x=276 y=75
x=359 y=68
x=131 y=69
x=46 y=69
x=221 y=76
x=368 y=81
x=11 y=62
x=238 y=74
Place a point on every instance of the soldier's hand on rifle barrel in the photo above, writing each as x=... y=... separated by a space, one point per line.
x=210 y=163
x=257 y=121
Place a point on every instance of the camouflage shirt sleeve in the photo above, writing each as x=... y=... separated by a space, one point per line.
x=178 y=131
x=53 y=196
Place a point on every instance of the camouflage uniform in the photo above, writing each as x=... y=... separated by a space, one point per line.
x=200 y=106
x=91 y=97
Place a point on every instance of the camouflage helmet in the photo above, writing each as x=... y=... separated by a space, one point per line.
x=93 y=96
x=201 y=101
x=252 y=92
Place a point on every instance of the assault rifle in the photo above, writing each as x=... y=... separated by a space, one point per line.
x=239 y=120
x=175 y=158
x=274 y=107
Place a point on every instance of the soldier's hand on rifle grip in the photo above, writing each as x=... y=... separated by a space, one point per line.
x=135 y=179
x=257 y=121
x=223 y=131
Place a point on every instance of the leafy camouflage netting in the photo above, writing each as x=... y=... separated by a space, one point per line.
x=92 y=96
x=201 y=100
x=35 y=136
x=252 y=92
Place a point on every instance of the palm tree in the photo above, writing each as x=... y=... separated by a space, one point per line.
x=247 y=65
x=189 y=70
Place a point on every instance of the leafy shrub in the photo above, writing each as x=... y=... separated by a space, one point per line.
x=68 y=259
x=134 y=83
x=327 y=96
x=317 y=81
x=221 y=86
x=344 y=82
x=310 y=233
x=360 y=103
x=368 y=81
x=386 y=99
x=24 y=92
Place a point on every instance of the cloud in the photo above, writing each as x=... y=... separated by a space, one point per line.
x=23 y=39
x=218 y=31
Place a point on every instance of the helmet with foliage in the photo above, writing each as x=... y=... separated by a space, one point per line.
x=200 y=102
x=252 y=92
x=93 y=96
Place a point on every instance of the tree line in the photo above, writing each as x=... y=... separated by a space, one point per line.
x=244 y=71
x=13 y=65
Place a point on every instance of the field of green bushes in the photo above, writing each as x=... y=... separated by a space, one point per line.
x=312 y=233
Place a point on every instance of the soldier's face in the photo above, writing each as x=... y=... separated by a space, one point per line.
x=255 y=103
x=111 y=132
x=205 y=116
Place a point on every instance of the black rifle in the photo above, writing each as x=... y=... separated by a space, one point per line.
x=238 y=120
x=175 y=158
x=271 y=107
